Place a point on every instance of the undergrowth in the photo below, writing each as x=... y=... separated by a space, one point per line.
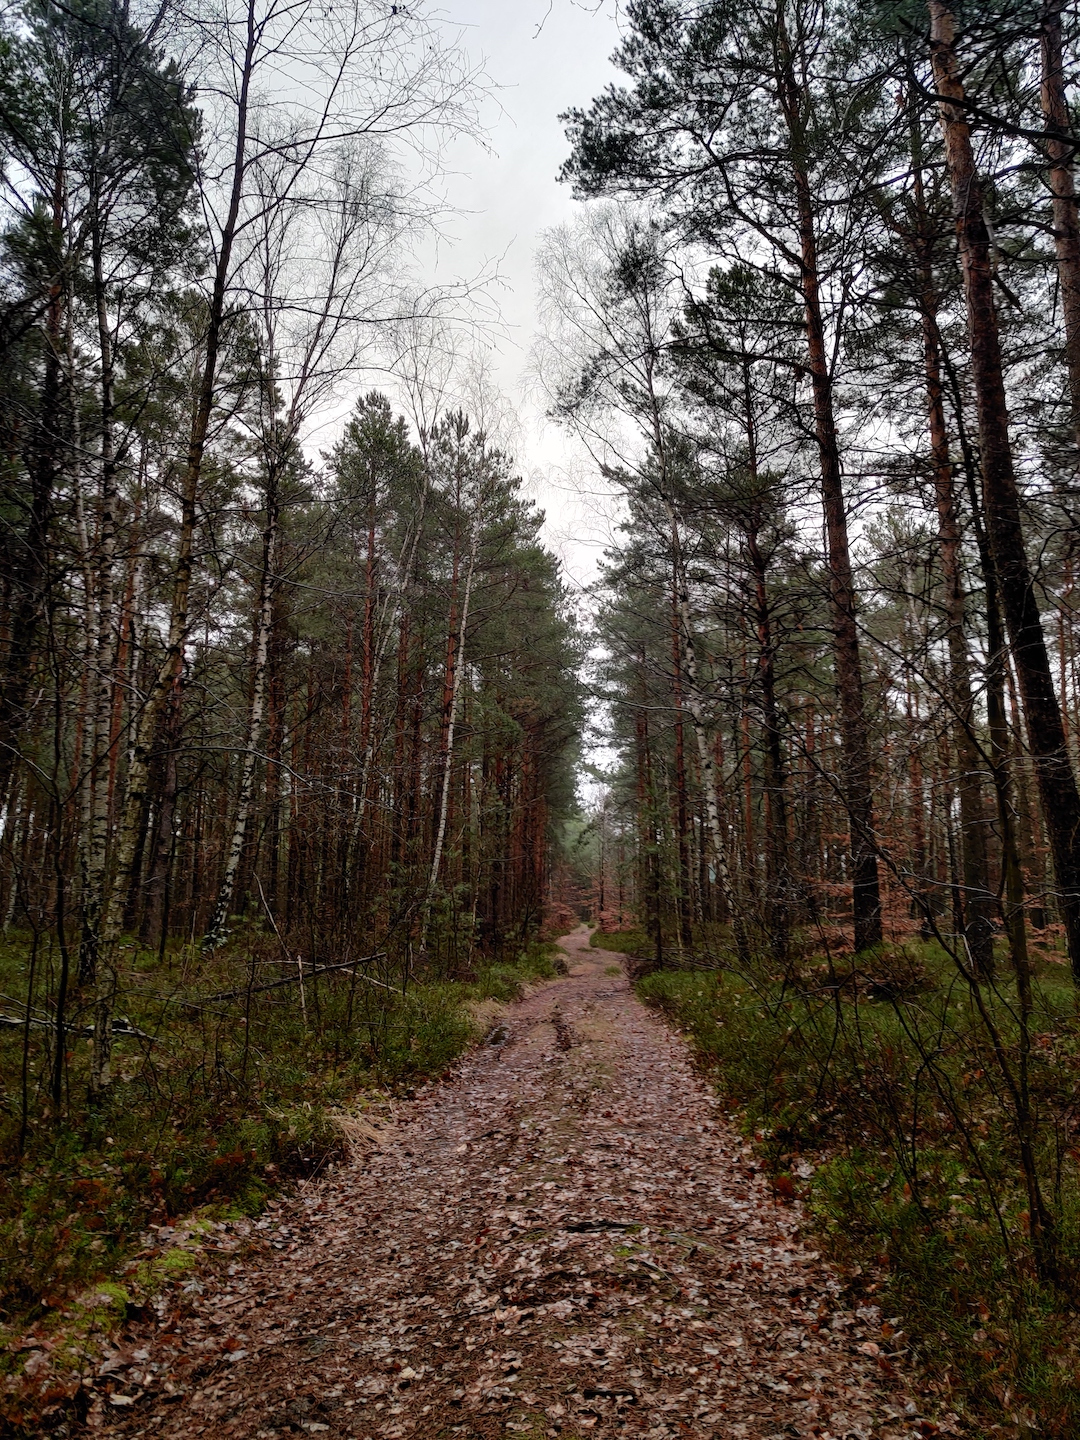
x=874 y=1094
x=632 y=942
x=218 y=1104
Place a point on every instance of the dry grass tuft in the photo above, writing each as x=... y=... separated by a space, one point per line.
x=360 y=1133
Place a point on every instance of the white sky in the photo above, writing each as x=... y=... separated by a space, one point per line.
x=544 y=56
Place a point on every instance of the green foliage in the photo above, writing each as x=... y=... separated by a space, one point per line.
x=506 y=982
x=85 y=98
x=235 y=1100
x=634 y=943
x=887 y=1117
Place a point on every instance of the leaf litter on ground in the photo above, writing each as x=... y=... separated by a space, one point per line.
x=566 y=1237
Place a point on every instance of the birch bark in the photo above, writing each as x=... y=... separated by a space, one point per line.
x=456 y=667
x=1061 y=151
x=218 y=930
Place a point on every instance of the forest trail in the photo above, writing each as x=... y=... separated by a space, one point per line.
x=567 y=1237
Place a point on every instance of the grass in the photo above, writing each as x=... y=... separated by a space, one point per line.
x=223 y=1105
x=633 y=942
x=874 y=1094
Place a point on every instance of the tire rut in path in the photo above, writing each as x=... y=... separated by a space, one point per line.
x=566 y=1238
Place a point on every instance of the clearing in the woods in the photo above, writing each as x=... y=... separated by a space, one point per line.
x=567 y=1237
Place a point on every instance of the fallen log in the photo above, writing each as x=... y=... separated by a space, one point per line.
x=120 y=1026
x=295 y=980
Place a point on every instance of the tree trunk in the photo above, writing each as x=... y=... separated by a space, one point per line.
x=705 y=759
x=1060 y=150
x=777 y=859
x=855 y=739
x=1046 y=735
x=172 y=664
x=978 y=905
x=30 y=580
x=1011 y=887
x=153 y=918
x=104 y=680
x=218 y=930
x=646 y=828
x=96 y=839
x=680 y=816
x=455 y=669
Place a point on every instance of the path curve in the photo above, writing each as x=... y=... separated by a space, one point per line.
x=566 y=1238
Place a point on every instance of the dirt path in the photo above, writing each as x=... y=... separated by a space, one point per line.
x=565 y=1238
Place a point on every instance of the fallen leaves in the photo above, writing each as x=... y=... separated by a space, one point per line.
x=566 y=1237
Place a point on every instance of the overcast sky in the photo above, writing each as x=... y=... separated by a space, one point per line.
x=544 y=56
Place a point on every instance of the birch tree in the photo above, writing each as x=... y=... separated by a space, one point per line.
x=364 y=75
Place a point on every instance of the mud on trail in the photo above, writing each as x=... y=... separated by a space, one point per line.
x=566 y=1238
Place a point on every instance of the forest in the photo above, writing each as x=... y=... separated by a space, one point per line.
x=308 y=748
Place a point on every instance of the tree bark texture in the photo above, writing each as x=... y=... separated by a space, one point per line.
x=857 y=784
x=1001 y=500
x=1060 y=151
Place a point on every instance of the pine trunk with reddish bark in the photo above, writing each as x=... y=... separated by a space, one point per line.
x=857 y=779
x=1001 y=499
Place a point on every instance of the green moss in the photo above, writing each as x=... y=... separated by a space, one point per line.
x=115 y=1295
x=169 y=1266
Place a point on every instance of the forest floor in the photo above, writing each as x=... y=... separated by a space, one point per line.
x=566 y=1237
